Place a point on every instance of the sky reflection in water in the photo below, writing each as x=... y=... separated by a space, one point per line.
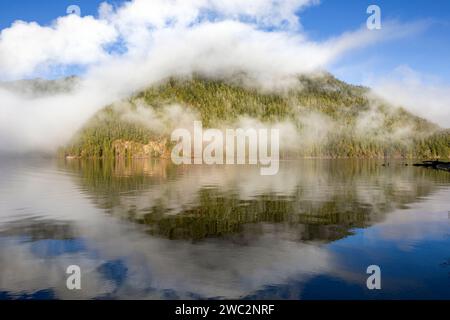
x=150 y=230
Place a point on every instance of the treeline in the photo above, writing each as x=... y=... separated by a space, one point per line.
x=96 y=139
x=218 y=102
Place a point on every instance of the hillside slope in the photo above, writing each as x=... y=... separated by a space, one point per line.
x=320 y=116
x=40 y=87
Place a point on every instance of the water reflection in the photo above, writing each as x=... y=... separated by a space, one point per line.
x=315 y=200
x=148 y=229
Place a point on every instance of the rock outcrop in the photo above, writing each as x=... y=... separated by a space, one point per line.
x=136 y=150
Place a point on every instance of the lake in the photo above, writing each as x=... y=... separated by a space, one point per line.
x=147 y=229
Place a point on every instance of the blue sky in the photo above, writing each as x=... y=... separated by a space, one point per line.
x=427 y=52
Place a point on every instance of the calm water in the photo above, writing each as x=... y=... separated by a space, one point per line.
x=150 y=230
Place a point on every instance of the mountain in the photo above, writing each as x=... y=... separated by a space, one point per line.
x=319 y=116
x=40 y=87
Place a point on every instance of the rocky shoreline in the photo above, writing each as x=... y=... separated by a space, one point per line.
x=437 y=165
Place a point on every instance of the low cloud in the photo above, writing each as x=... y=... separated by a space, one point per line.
x=416 y=92
x=139 y=43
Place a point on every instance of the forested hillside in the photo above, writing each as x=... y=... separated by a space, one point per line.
x=331 y=119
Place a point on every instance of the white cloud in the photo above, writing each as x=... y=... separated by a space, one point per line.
x=235 y=30
x=157 y=39
x=421 y=94
x=27 y=47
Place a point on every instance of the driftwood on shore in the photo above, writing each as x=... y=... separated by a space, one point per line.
x=438 y=165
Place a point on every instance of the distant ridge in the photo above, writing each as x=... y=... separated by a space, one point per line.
x=350 y=120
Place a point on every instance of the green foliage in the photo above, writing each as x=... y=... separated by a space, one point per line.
x=96 y=138
x=222 y=101
x=434 y=146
